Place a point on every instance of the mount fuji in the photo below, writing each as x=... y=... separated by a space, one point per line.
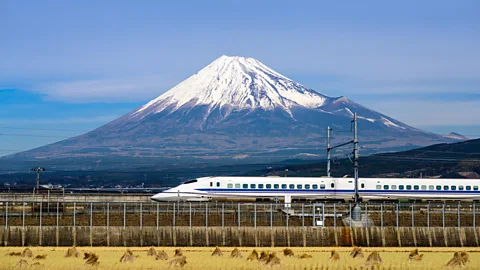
x=237 y=108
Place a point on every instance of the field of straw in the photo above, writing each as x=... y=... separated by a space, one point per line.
x=237 y=258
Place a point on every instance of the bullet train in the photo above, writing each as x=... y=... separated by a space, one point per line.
x=321 y=188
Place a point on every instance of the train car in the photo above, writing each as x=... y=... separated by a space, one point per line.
x=321 y=188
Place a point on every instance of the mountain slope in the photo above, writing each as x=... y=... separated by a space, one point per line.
x=236 y=108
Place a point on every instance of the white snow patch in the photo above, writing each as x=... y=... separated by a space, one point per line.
x=389 y=123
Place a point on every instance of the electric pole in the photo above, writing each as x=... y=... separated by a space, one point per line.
x=38 y=170
x=357 y=212
x=328 y=150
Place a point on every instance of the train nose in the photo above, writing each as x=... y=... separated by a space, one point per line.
x=165 y=197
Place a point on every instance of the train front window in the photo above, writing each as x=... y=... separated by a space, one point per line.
x=191 y=181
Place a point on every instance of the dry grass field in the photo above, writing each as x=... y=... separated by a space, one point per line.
x=201 y=258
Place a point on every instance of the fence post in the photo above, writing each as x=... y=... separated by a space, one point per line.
x=206 y=215
x=350 y=209
x=396 y=215
x=443 y=215
x=254 y=216
x=141 y=215
x=313 y=215
x=413 y=215
x=381 y=215
x=74 y=214
x=124 y=216
x=334 y=215
x=428 y=215
x=271 y=216
x=303 y=214
x=91 y=215
x=6 y=215
x=223 y=216
x=474 y=215
x=458 y=214
x=286 y=218
x=158 y=214
x=108 y=216
x=40 y=214
x=238 y=216
x=190 y=216
x=23 y=216
x=58 y=206
x=366 y=215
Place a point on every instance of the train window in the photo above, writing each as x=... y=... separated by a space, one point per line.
x=307 y=186
x=260 y=185
x=245 y=185
x=475 y=187
x=252 y=185
x=276 y=186
x=416 y=187
x=230 y=185
x=454 y=187
x=322 y=186
x=299 y=186
x=445 y=187
x=332 y=185
x=424 y=187
x=237 y=185
x=379 y=186
x=460 y=187
x=401 y=187
x=394 y=187
x=191 y=181
x=269 y=185
x=409 y=187
x=218 y=184
x=431 y=187
x=362 y=185
x=211 y=184
x=284 y=186
x=439 y=187
x=314 y=186
x=468 y=188
x=385 y=187
x=291 y=186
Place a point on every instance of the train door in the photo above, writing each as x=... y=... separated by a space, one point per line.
x=318 y=215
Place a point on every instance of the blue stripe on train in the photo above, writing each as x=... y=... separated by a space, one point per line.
x=241 y=190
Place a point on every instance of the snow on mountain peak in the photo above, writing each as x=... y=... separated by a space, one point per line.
x=236 y=83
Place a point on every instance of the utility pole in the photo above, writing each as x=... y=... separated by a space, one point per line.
x=357 y=212
x=328 y=150
x=38 y=170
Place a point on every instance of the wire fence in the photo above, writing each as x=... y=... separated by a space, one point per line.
x=235 y=214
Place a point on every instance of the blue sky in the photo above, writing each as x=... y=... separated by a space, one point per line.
x=67 y=67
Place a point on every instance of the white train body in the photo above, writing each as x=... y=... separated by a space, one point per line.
x=322 y=188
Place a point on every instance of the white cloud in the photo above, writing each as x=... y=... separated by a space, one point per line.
x=131 y=89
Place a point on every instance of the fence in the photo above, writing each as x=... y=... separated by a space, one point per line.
x=233 y=214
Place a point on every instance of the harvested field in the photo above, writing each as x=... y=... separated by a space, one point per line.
x=200 y=258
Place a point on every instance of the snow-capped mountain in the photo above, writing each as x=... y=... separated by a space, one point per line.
x=238 y=108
